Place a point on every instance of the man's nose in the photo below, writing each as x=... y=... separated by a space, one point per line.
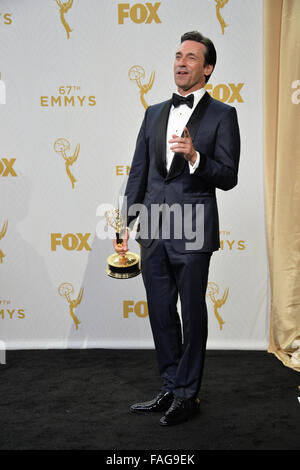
x=182 y=61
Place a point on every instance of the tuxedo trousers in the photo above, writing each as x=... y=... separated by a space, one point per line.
x=180 y=343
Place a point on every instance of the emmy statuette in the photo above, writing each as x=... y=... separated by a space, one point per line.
x=121 y=266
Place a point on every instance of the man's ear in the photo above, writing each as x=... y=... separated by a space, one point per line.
x=208 y=70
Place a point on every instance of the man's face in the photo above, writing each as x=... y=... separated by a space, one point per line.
x=189 y=68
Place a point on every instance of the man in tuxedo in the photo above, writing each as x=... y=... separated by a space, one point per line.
x=186 y=148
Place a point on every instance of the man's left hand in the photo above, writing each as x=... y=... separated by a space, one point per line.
x=184 y=145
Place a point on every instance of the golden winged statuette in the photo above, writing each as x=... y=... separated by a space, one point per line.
x=121 y=266
x=64 y=7
x=65 y=290
x=220 y=4
x=137 y=73
x=212 y=290
x=61 y=146
x=2 y=235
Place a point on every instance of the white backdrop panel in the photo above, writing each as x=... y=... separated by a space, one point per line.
x=68 y=97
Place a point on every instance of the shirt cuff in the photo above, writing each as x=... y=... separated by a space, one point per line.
x=196 y=164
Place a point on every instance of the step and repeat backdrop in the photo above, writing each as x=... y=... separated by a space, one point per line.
x=76 y=79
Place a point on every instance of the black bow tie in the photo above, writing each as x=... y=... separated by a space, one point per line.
x=177 y=100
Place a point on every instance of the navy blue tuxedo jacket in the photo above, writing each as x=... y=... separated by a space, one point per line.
x=214 y=129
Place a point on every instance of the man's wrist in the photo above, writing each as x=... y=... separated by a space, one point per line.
x=193 y=167
x=194 y=158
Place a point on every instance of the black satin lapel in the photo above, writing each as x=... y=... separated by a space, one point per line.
x=161 y=135
x=198 y=113
x=179 y=163
x=177 y=166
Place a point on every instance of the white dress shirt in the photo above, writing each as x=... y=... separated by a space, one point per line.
x=178 y=119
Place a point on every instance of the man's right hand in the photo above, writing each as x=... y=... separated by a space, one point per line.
x=122 y=248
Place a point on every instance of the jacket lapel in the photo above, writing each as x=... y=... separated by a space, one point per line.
x=179 y=163
x=161 y=132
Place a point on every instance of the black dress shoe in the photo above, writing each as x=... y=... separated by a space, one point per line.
x=160 y=403
x=181 y=410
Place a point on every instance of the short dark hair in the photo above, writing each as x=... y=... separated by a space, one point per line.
x=210 y=54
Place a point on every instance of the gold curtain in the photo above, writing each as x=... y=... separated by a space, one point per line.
x=282 y=174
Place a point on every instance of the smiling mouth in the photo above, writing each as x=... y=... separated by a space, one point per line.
x=181 y=73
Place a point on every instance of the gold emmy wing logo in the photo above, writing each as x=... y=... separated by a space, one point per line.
x=62 y=146
x=64 y=8
x=212 y=291
x=136 y=73
x=220 y=4
x=2 y=235
x=65 y=290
